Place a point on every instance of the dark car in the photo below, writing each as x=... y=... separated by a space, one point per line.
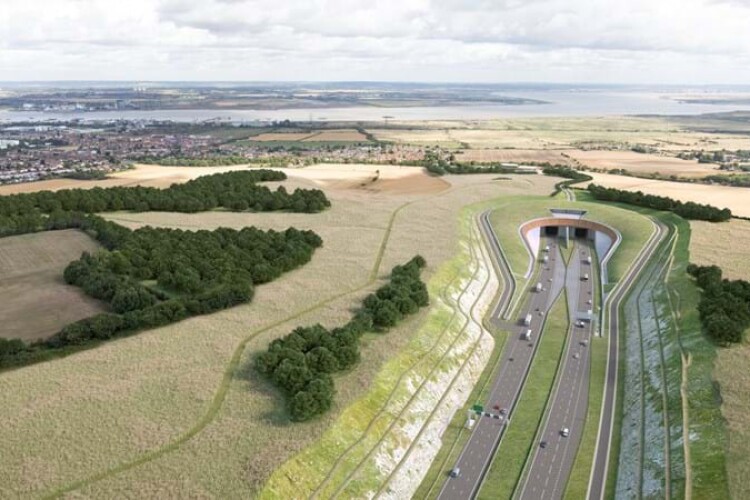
x=543 y=444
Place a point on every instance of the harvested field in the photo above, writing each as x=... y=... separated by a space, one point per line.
x=140 y=175
x=643 y=163
x=514 y=155
x=36 y=301
x=282 y=136
x=734 y=198
x=387 y=179
x=338 y=136
x=561 y=133
x=420 y=137
x=728 y=245
x=165 y=391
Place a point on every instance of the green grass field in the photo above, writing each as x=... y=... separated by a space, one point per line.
x=516 y=210
x=517 y=442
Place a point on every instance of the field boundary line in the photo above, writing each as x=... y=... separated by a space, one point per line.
x=229 y=372
x=489 y=237
x=461 y=369
x=468 y=317
x=621 y=290
x=397 y=384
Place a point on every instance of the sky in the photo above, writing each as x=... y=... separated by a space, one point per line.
x=598 y=41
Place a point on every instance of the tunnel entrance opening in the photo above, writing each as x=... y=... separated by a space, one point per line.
x=581 y=232
x=551 y=230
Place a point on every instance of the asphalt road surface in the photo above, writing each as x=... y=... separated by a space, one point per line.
x=508 y=384
x=604 y=439
x=552 y=462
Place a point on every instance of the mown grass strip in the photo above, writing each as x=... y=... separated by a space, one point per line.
x=518 y=439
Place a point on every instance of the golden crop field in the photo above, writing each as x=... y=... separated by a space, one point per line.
x=727 y=245
x=562 y=133
x=641 y=163
x=282 y=136
x=165 y=396
x=36 y=301
x=552 y=156
x=338 y=136
x=734 y=198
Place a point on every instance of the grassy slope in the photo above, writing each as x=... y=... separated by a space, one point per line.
x=726 y=245
x=708 y=434
x=516 y=210
x=353 y=432
x=518 y=439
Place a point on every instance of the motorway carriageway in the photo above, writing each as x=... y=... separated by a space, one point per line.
x=475 y=458
x=550 y=466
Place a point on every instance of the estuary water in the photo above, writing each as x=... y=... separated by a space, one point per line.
x=583 y=102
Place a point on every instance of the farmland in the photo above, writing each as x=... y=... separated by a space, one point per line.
x=183 y=403
x=733 y=198
x=640 y=163
x=31 y=279
x=726 y=245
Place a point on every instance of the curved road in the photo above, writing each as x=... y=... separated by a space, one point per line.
x=477 y=454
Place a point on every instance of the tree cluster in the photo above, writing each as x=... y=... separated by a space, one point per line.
x=209 y=161
x=236 y=191
x=436 y=164
x=724 y=307
x=301 y=364
x=155 y=276
x=686 y=210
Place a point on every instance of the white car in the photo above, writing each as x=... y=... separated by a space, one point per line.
x=565 y=432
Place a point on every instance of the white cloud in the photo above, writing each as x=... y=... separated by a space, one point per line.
x=482 y=40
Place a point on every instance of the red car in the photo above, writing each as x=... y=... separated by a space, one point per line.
x=496 y=407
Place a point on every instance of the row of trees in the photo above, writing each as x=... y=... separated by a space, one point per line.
x=210 y=161
x=564 y=171
x=724 y=307
x=237 y=191
x=302 y=363
x=436 y=164
x=687 y=210
x=155 y=276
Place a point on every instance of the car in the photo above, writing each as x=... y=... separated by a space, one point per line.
x=584 y=343
x=496 y=407
x=576 y=356
x=503 y=411
x=565 y=432
x=543 y=444
x=455 y=472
